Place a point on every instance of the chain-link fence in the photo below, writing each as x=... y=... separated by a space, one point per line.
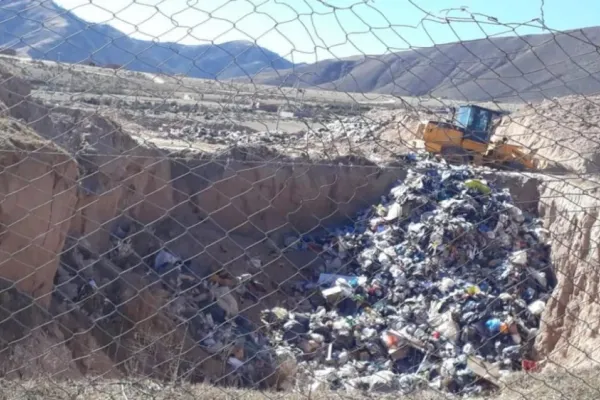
x=231 y=199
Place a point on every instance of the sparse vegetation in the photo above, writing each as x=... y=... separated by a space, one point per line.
x=583 y=385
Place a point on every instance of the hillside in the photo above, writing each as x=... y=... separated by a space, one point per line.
x=42 y=29
x=510 y=69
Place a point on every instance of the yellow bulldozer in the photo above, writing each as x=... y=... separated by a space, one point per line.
x=467 y=139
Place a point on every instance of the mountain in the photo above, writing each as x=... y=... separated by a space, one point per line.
x=42 y=29
x=510 y=69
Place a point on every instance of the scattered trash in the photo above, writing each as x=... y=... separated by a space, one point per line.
x=93 y=284
x=234 y=362
x=530 y=366
x=478 y=185
x=163 y=259
x=256 y=262
x=537 y=307
x=330 y=279
x=223 y=297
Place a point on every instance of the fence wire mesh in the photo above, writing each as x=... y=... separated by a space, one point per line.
x=296 y=200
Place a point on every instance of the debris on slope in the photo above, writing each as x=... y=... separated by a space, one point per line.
x=443 y=284
x=179 y=321
x=355 y=129
x=338 y=132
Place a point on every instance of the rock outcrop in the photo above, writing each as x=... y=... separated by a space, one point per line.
x=38 y=189
x=569 y=333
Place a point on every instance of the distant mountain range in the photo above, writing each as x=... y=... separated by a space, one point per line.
x=42 y=29
x=508 y=69
x=505 y=69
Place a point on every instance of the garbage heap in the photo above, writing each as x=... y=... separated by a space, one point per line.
x=356 y=129
x=441 y=285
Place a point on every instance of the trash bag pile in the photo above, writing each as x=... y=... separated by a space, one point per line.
x=441 y=285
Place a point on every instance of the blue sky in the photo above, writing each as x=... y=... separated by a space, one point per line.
x=311 y=30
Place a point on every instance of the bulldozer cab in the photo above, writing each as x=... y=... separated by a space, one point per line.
x=467 y=140
x=476 y=122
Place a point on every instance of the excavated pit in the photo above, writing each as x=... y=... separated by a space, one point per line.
x=218 y=213
x=78 y=177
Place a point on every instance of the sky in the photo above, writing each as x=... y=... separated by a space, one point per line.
x=313 y=30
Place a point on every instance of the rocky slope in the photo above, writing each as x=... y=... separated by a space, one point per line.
x=38 y=199
x=570 y=335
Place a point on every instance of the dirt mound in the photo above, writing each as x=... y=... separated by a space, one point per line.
x=564 y=131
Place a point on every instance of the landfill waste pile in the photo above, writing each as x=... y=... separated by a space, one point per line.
x=442 y=285
x=355 y=129
x=230 y=137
